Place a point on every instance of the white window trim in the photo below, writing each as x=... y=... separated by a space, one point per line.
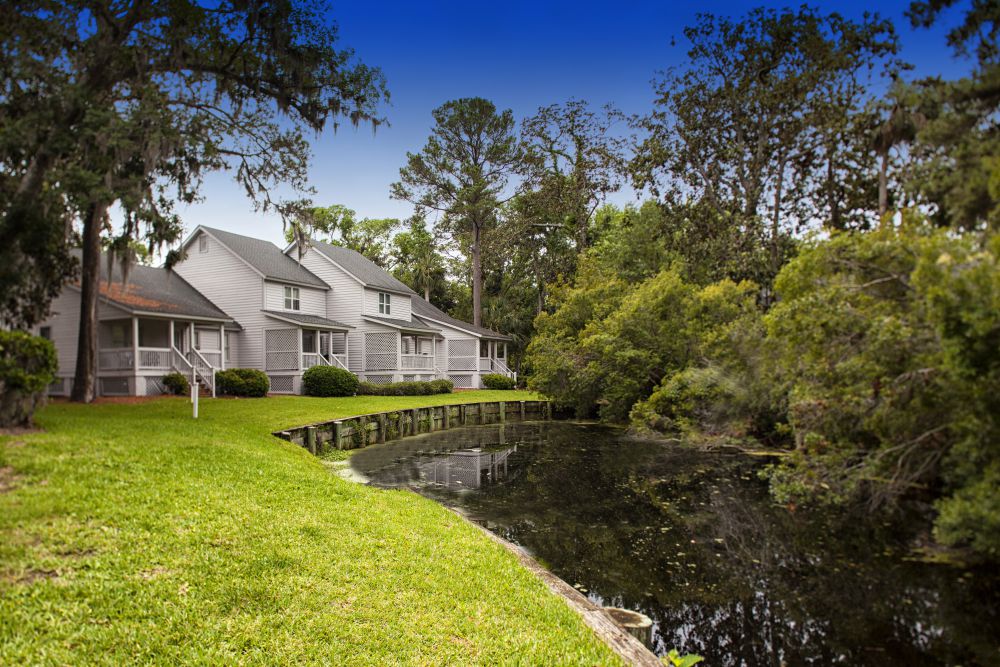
x=293 y=300
x=384 y=303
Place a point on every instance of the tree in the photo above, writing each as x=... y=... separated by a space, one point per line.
x=764 y=98
x=573 y=162
x=464 y=172
x=133 y=97
x=339 y=225
x=417 y=260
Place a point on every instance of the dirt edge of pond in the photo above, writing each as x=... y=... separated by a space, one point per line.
x=596 y=617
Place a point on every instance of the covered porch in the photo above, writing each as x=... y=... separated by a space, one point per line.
x=289 y=351
x=407 y=352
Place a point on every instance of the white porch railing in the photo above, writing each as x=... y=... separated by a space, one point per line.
x=310 y=359
x=213 y=357
x=204 y=369
x=416 y=362
x=120 y=359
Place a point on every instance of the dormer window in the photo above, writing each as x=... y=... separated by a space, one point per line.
x=291 y=298
x=384 y=303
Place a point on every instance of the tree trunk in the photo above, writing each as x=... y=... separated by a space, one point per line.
x=427 y=292
x=883 y=184
x=776 y=220
x=85 y=378
x=477 y=276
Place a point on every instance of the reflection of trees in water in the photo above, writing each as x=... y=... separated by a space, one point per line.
x=693 y=540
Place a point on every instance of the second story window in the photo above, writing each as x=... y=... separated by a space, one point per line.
x=291 y=298
x=384 y=303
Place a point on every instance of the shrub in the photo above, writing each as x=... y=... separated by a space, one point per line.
x=329 y=381
x=176 y=384
x=248 y=382
x=28 y=366
x=497 y=381
x=406 y=388
x=442 y=386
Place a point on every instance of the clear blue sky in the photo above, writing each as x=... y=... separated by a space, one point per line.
x=521 y=55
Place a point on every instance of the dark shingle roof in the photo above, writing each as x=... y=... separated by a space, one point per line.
x=422 y=309
x=409 y=325
x=361 y=267
x=266 y=258
x=303 y=318
x=155 y=290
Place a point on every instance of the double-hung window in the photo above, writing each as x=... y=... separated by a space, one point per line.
x=291 y=298
x=384 y=303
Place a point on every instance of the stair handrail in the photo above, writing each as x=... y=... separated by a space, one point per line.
x=210 y=380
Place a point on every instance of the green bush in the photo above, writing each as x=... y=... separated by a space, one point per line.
x=329 y=381
x=247 y=382
x=406 y=388
x=497 y=381
x=442 y=386
x=176 y=384
x=28 y=366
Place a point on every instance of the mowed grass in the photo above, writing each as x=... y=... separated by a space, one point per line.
x=134 y=534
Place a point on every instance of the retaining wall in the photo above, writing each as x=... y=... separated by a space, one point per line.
x=362 y=430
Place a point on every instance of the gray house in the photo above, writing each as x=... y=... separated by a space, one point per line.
x=235 y=301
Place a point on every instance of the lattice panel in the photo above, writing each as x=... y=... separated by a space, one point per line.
x=58 y=387
x=461 y=381
x=380 y=351
x=282 y=384
x=154 y=386
x=409 y=378
x=378 y=379
x=281 y=349
x=462 y=354
x=114 y=386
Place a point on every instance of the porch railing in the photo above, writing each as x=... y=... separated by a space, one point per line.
x=119 y=359
x=194 y=365
x=416 y=362
x=310 y=359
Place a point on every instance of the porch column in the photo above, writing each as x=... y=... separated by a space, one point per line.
x=347 y=351
x=399 y=351
x=171 y=334
x=222 y=346
x=301 y=351
x=505 y=354
x=135 y=348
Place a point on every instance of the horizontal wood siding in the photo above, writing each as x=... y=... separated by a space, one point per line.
x=64 y=323
x=311 y=301
x=399 y=306
x=235 y=288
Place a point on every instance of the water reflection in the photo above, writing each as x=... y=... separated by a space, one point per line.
x=692 y=540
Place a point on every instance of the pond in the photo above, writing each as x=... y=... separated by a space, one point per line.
x=692 y=539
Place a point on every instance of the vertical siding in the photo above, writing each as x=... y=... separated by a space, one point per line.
x=235 y=288
x=400 y=305
x=311 y=301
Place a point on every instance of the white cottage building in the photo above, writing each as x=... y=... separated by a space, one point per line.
x=240 y=302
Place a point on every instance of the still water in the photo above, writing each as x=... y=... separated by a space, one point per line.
x=693 y=540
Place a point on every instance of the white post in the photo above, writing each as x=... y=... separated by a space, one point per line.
x=171 y=345
x=347 y=352
x=222 y=346
x=194 y=396
x=399 y=354
x=135 y=345
x=301 y=351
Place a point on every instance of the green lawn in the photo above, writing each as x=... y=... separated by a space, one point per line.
x=134 y=534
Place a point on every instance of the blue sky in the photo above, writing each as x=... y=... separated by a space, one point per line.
x=521 y=55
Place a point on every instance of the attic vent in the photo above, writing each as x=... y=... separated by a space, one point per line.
x=202 y=243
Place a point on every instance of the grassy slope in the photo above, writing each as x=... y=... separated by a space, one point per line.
x=135 y=534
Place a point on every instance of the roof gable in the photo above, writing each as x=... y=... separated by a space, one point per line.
x=365 y=271
x=263 y=257
x=423 y=309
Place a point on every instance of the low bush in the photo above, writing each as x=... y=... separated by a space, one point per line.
x=28 y=366
x=246 y=382
x=329 y=381
x=406 y=388
x=176 y=384
x=497 y=381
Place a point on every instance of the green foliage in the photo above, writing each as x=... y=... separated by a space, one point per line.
x=406 y=388
x=176 y=384
x=329 y=381
x=339 y=225
x=891 y=343
x=497 y=381
x=675 y=659
x=28 y=365
x=246 y=382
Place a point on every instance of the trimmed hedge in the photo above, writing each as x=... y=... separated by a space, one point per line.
x=28 y=365
x=176 y=384
x=497 y=381
x=406 y=388
x=246 y=382
x=329 y=381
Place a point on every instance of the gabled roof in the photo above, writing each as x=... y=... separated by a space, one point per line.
x=303 y=318
x=264 y=257
x=428 y=312
x=363 y=269
x=155 y=290
x=406 y=325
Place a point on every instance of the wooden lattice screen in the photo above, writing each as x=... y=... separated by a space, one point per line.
x=462 y=354
x=281 y=349
x=380 y=351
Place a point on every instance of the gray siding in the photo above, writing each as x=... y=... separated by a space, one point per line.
x=400 y=305
x=235 y=288
x=64 y=322
x=311 y=301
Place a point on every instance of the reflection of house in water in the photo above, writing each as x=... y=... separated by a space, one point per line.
x=466 y=468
